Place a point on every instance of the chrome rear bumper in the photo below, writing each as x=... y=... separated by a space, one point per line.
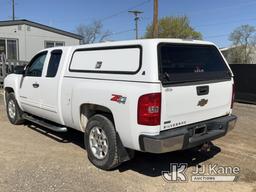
x=187 y=136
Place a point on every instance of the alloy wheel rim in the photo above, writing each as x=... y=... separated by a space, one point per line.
x=98 y=142
x=11 y=109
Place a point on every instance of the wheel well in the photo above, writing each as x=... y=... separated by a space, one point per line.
x=89 y=110
x=8 y=90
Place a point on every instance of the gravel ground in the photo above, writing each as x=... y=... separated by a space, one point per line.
x=33 y=159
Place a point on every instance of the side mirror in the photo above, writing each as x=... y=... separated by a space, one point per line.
x=19 y=70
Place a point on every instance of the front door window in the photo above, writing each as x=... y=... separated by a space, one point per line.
x=35 y=68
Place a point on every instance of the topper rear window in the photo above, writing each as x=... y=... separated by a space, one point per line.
x=179 y=63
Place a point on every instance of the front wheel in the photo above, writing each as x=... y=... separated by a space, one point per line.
x=14 y=112
x=101 y=142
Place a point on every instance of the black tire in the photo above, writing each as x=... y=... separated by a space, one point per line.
x=111 y=159
x=15 y=118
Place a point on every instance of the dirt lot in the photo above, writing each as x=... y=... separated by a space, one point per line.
x=32 y=159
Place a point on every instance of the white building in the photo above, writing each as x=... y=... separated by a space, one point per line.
x=22 y=39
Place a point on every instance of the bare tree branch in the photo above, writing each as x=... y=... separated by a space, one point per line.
x=92 y=33
x=243 y=42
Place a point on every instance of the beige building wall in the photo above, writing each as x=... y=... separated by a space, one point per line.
x=32 y=39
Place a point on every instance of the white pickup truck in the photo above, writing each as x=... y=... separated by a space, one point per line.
x=155 y=96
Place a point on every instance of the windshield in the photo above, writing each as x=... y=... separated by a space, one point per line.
x=179 y=63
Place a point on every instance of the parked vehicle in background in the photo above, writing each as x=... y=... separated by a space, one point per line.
x=153 y=96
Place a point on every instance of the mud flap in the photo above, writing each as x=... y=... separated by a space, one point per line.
x=124 y=153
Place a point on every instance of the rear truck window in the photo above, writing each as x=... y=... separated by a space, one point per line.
x=54 y=63
x=182 y=63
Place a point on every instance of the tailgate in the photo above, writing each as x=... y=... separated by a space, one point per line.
x=196 y=81
x=182 y=105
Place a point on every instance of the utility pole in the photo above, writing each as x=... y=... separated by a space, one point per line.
x=13 y=10
x=136 y=19
x=155 y=20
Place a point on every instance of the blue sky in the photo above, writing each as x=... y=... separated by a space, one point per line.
x=215 y=19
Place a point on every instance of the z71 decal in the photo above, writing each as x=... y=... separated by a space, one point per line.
x=118 y=98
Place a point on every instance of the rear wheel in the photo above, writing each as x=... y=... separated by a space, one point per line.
x=101 y=142
x=14 y=112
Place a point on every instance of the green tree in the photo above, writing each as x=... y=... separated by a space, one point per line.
x=174 y=27
x=243 y=44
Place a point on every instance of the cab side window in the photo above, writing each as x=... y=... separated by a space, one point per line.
x=54 y=63
x=36 y=65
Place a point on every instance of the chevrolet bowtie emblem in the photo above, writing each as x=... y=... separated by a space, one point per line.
x=202 y=102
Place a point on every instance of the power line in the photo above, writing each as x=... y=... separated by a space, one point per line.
x=222 y=35
x=124 y=11
x=223 y=7
x=217 y=36
x=121 y=32
x=223 y=23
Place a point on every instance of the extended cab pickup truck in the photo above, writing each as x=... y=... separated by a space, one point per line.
x=155 y=96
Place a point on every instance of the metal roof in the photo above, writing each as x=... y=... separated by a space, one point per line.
x=41 y=26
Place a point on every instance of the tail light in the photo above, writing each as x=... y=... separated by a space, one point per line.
x=149 y=109
x=233 y=96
